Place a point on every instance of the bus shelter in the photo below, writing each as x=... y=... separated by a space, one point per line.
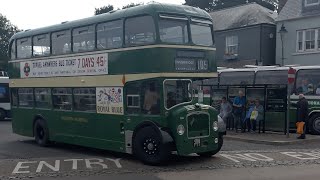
x=273 y=98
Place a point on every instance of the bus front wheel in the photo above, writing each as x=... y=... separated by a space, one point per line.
x=149 y=147
x=41 y=133
x=314 y=124
x=209 y=154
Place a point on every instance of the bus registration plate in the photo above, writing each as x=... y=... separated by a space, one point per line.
x=196 y=142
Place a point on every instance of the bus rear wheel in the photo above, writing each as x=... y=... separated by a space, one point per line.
x=41 y=133
x=211 y=153
x=314 y=124
x=149 y=147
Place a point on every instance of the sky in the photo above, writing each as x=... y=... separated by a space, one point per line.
x=31 y=14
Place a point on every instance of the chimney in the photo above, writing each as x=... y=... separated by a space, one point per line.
x=281 y=5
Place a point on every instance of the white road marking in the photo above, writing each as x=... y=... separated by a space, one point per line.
x=303 y=155
x=55 y=168
x=20 y=166
x=24 y=167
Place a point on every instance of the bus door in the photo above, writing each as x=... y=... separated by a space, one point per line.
x=142 y=103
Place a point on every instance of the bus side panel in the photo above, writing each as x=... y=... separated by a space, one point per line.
x=22 y=121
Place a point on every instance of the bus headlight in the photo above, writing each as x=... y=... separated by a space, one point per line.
x=180 y=129
x=215 y=126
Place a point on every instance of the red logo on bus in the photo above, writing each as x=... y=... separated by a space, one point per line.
x=26 y=69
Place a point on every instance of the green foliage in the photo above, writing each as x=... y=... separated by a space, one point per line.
x=131 y=5
x=6 y=32
x=103 y=9
x=211 y=5
x=109 y=8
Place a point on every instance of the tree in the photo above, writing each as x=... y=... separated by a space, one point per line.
x=6 y=32
x=103 y=9
x=211 y=5
x=131 y=5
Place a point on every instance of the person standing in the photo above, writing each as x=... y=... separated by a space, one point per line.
x=302 y=113
x=225 y=109
x=256 y=115
x=239 y=103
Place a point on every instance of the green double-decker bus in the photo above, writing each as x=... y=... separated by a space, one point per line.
x=120 y=81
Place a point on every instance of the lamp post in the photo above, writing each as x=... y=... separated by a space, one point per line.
x=282 y=33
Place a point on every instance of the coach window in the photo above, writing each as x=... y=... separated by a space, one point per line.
x=140 y=31
x=109 y=35
x=24 y=48
x=83 y=39
x=26 y=97
x=41 y=45
x=133 y=98
x=84 y=99
x=62 y=98
x=13 y=50
x=61 y=42
x=4 y=93
x=43 y=97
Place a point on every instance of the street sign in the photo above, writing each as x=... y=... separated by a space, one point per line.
x=291 y=75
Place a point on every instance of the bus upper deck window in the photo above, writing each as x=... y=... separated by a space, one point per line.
x=173 y=29
x=24 y=48
x=201 y=32
x=140 y=30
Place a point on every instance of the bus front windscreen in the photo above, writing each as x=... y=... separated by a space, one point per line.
x=176 y=92
x=237 y=78
x=201 y=32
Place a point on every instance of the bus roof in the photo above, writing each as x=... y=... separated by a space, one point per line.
x=149 y=9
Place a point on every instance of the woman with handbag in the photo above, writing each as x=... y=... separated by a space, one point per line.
x=302 y=115
x=256 y=115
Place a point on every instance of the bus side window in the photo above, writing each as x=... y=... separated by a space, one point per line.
x=151 y=98
x=62 y=98
x=26 y=98
x=133 y=98
x=84 y=99
x=43 y=97
x=14 y=97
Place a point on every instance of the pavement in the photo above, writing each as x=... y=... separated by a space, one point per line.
x=270 y=138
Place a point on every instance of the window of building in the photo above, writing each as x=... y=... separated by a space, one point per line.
x=41 y=45
x=43 y=97
x=140 y=31
x=311 y=2
x=310 y=40
x=14 y=97
x=26 y=97
x=201 y=32
x=13 y=50
x=61 y=42
x=300 y=41
x=83 y=39
x=231 y=45
x=24 y=48
x=109 y=35
x=62 y=98
x=84 y=99
x=173 y=29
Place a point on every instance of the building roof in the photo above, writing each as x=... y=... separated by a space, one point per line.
x=242 y=16
x=293 y=10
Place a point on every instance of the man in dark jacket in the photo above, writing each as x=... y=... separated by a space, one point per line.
x=302 y=113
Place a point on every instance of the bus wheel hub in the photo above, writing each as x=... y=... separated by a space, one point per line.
x=150 y=146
